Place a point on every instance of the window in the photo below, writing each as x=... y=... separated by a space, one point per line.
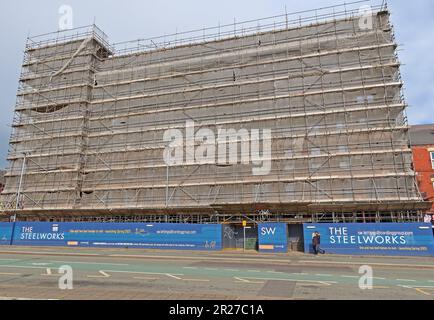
x=432 y=159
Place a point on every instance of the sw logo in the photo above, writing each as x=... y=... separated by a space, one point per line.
x=268 y=231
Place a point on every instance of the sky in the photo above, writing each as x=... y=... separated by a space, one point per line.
x=133 y=19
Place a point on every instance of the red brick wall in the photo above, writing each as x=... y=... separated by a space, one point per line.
x=423 y=167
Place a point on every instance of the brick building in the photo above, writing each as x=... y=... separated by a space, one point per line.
x=422 y=139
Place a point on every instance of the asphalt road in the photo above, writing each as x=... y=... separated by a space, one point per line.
x=33 y=273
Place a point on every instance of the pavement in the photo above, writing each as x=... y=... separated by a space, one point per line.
x=134 y=274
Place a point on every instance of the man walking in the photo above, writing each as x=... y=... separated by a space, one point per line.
x=316 y=242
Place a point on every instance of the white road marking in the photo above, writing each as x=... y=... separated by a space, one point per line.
x=292 y=280
x=142 y=272
x=235 y=270
x=145 y=278
x=172 y=276
x=48 y=272
x=275 y=272
x=97 y=263
x=241 y=280
x=9 y=260
x=406 y=280
x=352 y=277
x=371 y=263
x=193 y=268
x=323 y=275
x=103 y=275
x=24 y=267
x=41 y=264
x=197 y=280
x=327 y=283
x=18 y=298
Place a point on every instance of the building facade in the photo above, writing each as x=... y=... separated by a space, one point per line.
x=288 y=119
x=422 y=140
x=2 y=180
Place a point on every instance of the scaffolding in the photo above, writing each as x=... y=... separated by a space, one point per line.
x=88 y=131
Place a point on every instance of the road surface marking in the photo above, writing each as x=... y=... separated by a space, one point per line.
x=24 y=267
x=431 y=281
x=48 y=272
x=18 y=298
x=197 y=280
x=370 y=263
x=328 y=283
x=41 y=264
x=193 y=268
x=240 y=280
x=211 y=269
x=9 y=274
x=418 y=289
x=275 y=272
x=352 y=277
x=103 y=275
x=235 y=270
x=421 y=291
x=145 y=278
x=9 y=259
x=142 y=272
x=378 y=278
x=172 y=276
x=97 y=263
x=51 y=253
x=238 y=259
x=406 y=280
x=323 y=275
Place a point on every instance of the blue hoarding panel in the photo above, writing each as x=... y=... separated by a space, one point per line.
x=6 y=229
x=131 y=235
x=272 y=237
x=388 y=239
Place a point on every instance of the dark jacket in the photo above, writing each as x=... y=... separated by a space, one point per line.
x=316 y=240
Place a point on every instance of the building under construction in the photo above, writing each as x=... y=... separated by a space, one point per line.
x=88 y=133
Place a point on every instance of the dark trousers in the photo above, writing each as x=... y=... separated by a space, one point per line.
x=317 y=249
